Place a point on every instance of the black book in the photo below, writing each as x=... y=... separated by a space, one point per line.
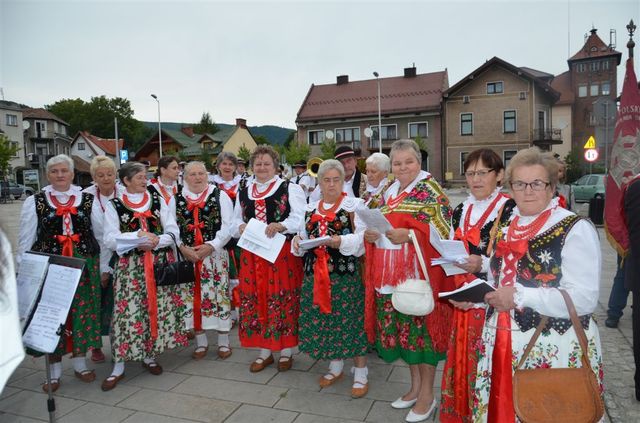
x=473 y=292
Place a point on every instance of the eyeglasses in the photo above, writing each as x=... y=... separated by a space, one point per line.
x=536 y=185
x=480 y=173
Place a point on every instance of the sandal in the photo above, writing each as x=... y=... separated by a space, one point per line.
x=85 y=375
x=55 y=384
x=325 y=381
x=285 y=363
x=200 y=352
x=359 y=389
x=154 y=368
x=224 y=352
x=97 y=356
x=111 y=382
x=260 y=364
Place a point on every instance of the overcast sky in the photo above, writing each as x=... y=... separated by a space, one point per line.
x=257 y=60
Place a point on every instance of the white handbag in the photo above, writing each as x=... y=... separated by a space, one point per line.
x=414 y=296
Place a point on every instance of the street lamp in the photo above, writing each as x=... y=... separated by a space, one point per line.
x=159 y=125
x=379 y=113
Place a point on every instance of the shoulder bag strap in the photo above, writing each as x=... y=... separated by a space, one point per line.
x=577 y=326
x=534 y=338
x=423 y=266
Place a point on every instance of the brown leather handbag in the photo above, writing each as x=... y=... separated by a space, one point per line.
x=568 y=395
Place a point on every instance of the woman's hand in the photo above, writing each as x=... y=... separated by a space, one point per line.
x=462 y=305
x=398 y=235
x=296 y=244
x=104 y=279
x=371 y=235
x=502 y=298
x=334 y=242
x=473 y=264
x=241 y=228
x=204 y=250
x=274 y=228
x=189 y=253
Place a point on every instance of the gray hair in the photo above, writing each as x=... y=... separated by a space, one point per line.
x=226 y=155
x=406 y=145
x=60 y=159
x=129 y=170
x=379 y=161
x=328 y=165
x=531 y=157
x=194 y=163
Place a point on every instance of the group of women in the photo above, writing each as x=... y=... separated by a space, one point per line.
x=330 y=297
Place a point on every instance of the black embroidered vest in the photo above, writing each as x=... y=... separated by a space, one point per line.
x=541 y=267
x=277 y=204
x=341 y=225
x=210 y=215
x=50 y=225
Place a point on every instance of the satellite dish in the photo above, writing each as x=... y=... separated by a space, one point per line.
x=368 y=132
x=328 y=134
x=26 y=124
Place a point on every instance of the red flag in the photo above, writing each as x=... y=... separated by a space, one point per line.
x=625 y=160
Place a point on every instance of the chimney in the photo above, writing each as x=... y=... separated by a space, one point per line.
x=187 y=130
x=241 y=123
x=342 y=79
x=410 y=72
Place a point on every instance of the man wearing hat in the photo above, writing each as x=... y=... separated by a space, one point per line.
x=355 y=183
x=302 y=177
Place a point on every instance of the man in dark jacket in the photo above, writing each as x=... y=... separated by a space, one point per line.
x=632 y=271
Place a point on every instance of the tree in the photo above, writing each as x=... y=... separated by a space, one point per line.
x=7 y=151
x=327 y=149
x=261 y=139
x=574 y=165
x=421 y=144
x=244 y=153
x=296 y=152
x=206 y=125
x=206 y=158
x=290 y=138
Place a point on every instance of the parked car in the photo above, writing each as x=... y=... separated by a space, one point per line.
x=588 y=187
x=16 y=190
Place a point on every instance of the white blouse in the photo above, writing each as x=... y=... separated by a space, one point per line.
x=167 y=219
x=217 y=179
x=168 y=188
x=581 y=265
x=28 y=216
x=297 y=205
x=226 y=212
x=351 y=244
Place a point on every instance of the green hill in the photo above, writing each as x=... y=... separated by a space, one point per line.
x=275 y=134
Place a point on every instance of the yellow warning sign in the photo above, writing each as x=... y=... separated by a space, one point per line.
x=591 y=143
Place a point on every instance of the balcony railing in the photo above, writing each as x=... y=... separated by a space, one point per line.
x=547 y=136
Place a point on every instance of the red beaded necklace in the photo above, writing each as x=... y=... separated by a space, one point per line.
x=333 y=208
x=480 y=223
x=257 y=194
x=133 y=205
x=58 y=204
x=527 y=232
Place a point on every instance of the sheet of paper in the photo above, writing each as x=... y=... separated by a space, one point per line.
x=308 y=244
x=254 y=240
x=374 y=219
x=33 y=267
x=452 y=251
x=57 y=295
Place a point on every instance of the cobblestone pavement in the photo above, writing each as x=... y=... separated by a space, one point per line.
x=212 y=390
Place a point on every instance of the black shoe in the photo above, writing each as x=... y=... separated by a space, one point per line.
x=611 y=322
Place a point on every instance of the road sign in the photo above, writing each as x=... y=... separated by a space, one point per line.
x=124 y=156
x=591 y=143
x=591 y=155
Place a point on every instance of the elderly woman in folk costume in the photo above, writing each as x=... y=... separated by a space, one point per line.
x=378 y=166
x=270 y=293
x=165 y=181
x=414 y=201
x=541 y=250
x=332 y=299
x=146 y=319
x=61 y=219
x=229 y=181
x=204 y=214
x=474 y=221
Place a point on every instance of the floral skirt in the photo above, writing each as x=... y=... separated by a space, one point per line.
x=269 y=300
x=215 y=305
x=130 y=329
x=402 y=336
x=551 y=350
x=339 y=334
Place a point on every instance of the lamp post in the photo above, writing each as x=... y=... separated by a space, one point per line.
x=379 y=114
x=159 y=125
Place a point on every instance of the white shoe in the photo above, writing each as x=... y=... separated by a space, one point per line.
x=401 y=404
x=413 y=417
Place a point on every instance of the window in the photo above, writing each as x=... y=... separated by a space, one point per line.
x=348 y=135
x=389 y=132
x=594 y=66
x=15 y=145
x=12 y=120
x=509 y=121
x=594 y=90
x=507 y=155
x=582 y=90
x=606 y=88
x=418 y=129
x=463 y=158
x=494 y=88
x=581 y=67
x=315 y=137
x=80 y=146
x=466 y=124
x=605 y=65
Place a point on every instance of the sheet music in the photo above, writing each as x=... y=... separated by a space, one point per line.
x=255 y=240
x=308 y=244
x=450 y=250
x=29 y=281
x=374 y=219
x=57 y=295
